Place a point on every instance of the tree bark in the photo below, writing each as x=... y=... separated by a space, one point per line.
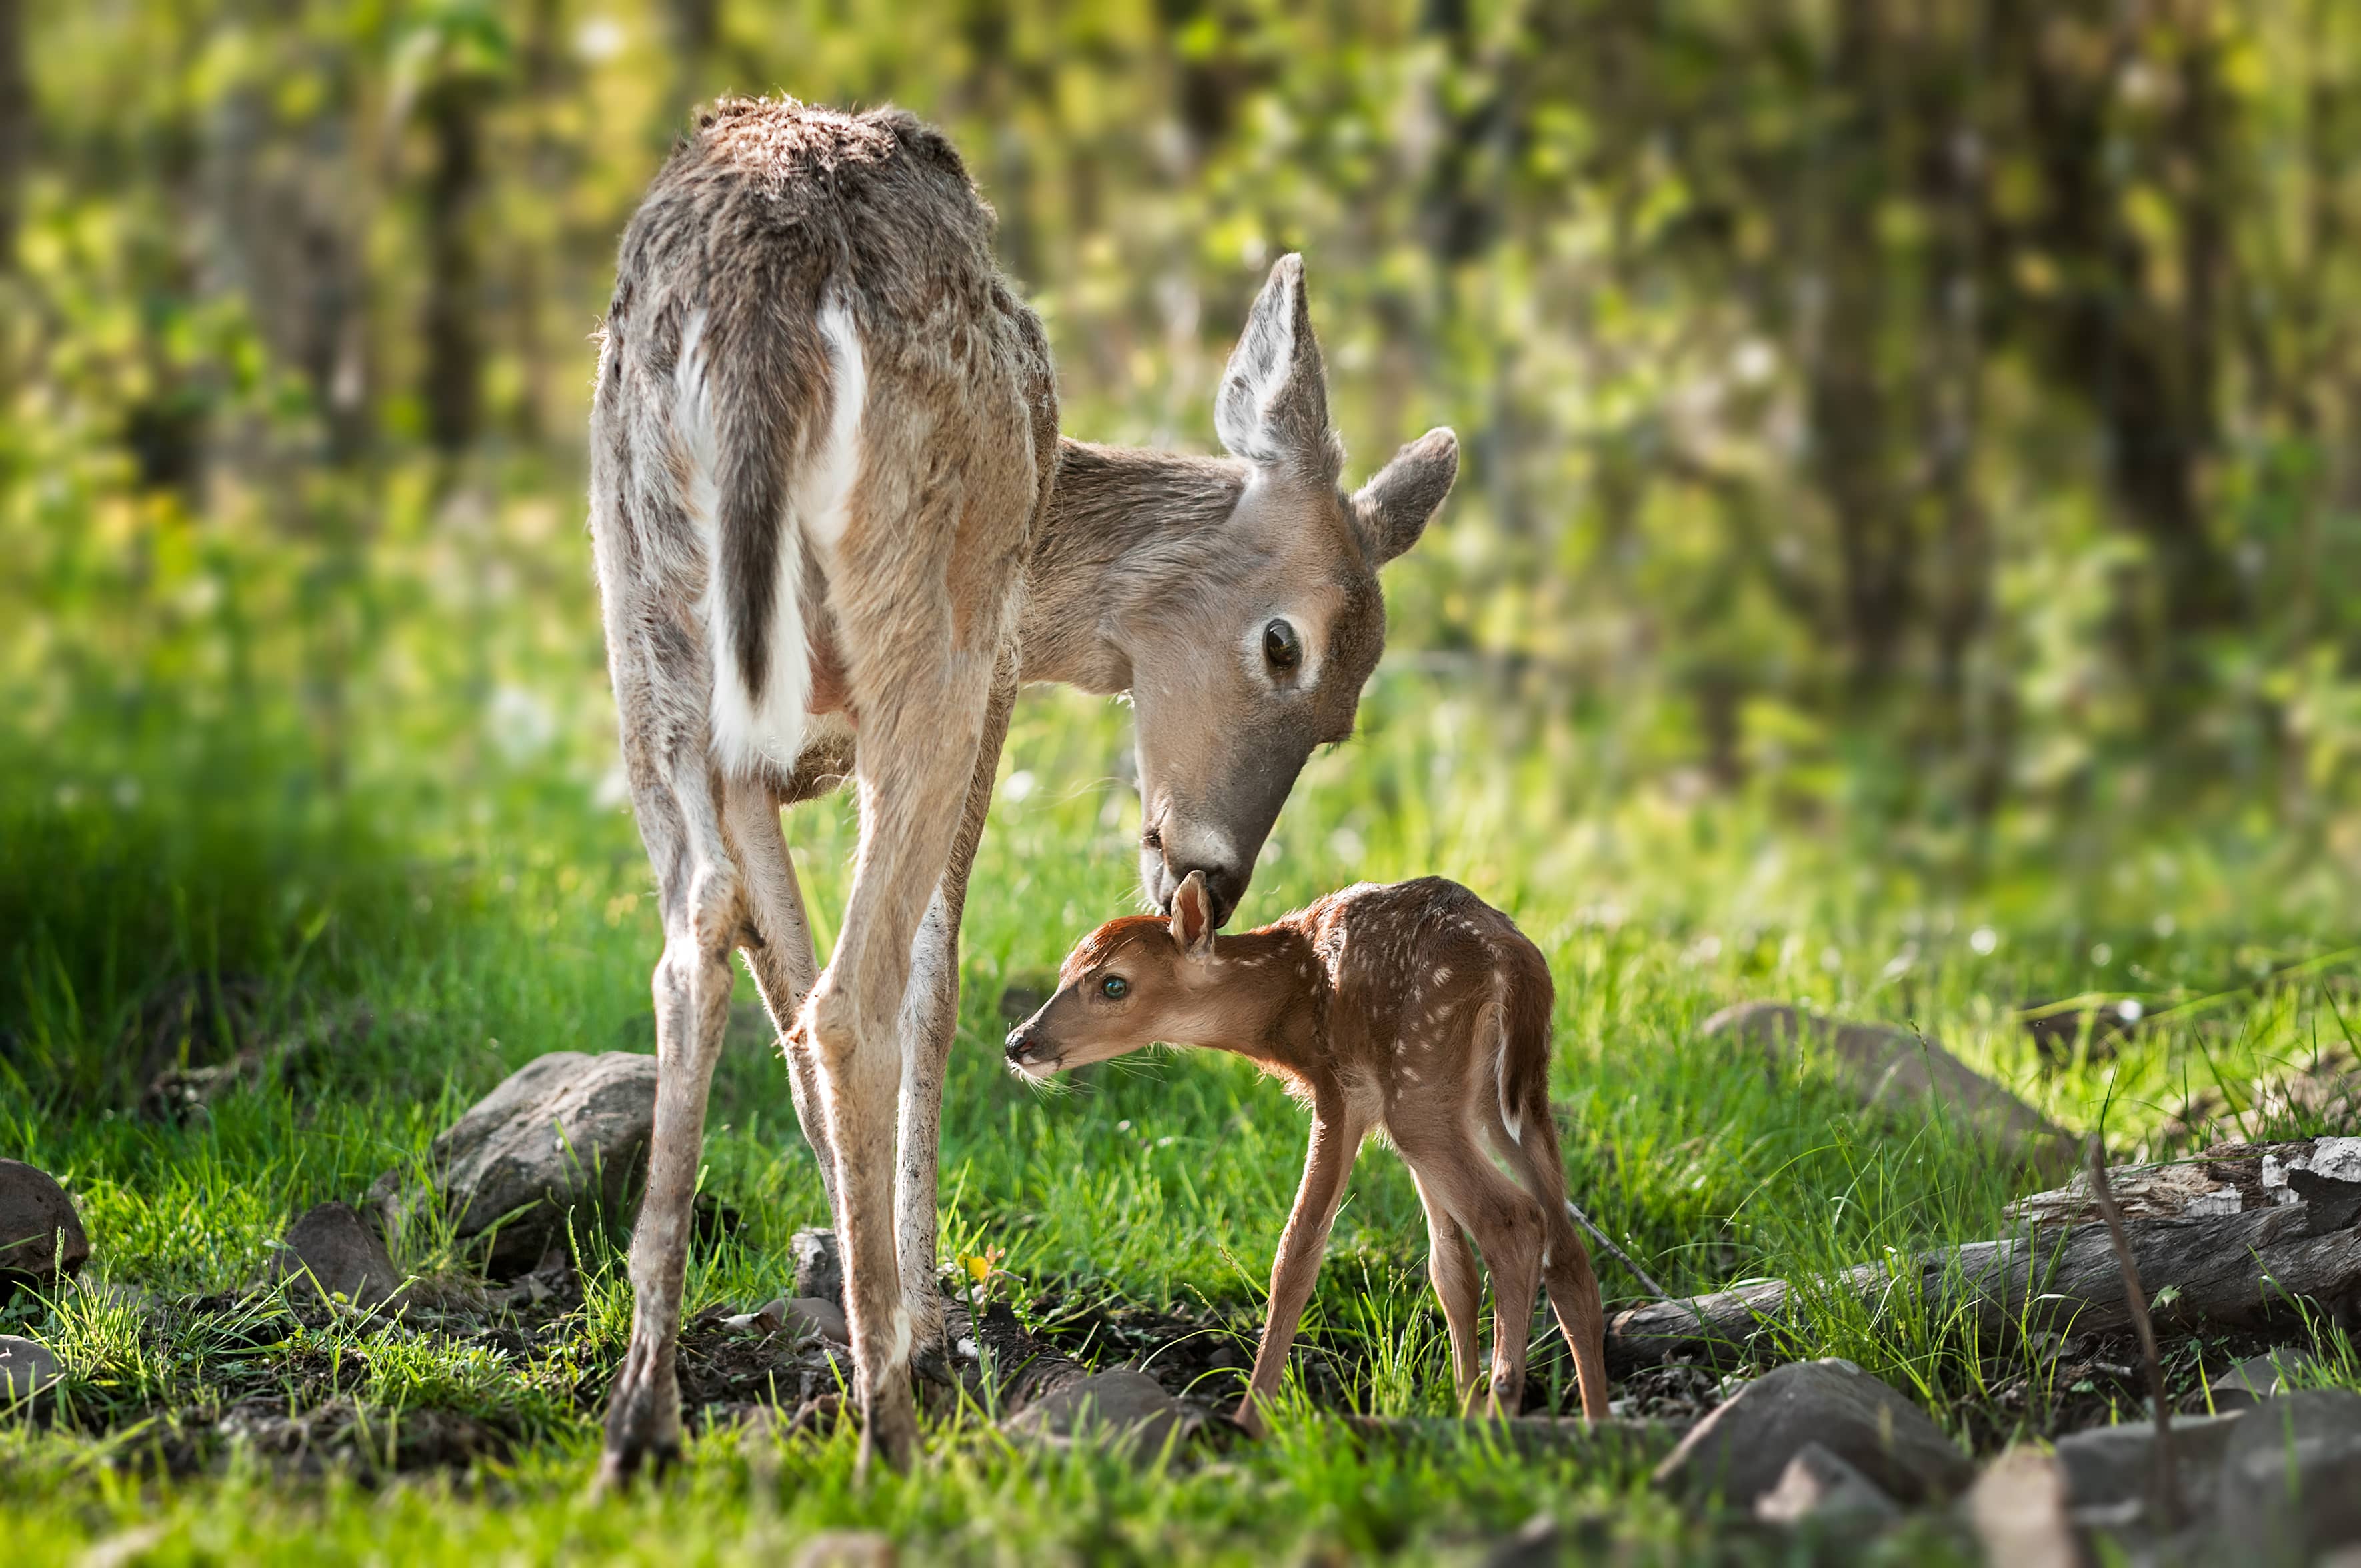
x=15 y=128
x=451 y=384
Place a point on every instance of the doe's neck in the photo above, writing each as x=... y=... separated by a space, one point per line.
x=1124 y=525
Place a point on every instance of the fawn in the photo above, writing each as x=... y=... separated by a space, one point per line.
x=1415 y=1010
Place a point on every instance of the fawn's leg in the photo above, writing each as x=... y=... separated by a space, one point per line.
x=1451 y=1265
x=1507 y=1226
x=928 y=1027
x=918 y=751
x=1581 y=1317
x=1566 y=1263
x=1335 y=1140
x=700 y=893
x=783 y=966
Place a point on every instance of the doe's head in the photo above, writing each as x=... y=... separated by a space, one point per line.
x=1130 y=983
x=1249 y=642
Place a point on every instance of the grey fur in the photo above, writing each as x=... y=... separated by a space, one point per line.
x=785 y=259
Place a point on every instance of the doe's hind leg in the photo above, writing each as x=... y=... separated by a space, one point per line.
x=699 y=888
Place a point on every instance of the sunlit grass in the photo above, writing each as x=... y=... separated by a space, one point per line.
x=476 y=939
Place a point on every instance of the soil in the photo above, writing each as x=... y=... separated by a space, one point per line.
x=267 y=1387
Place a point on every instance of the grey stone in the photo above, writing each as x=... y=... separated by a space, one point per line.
x=807 y=1317
x=1895 y=1070
x=40 y=1235
x=2256 y=1378
x=1129 y=1407
x=562 y=1133
x=846 y=1549
x=2291 y=1484
x=819 y=1266
x=1742 y=1449
x=2109 y=1471
x=2017 y=1510
x=1821 y=1487
x=331 y=1251
x=26 y=1366
x=824 y=1318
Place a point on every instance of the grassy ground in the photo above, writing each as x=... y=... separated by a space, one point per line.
x=426 y=944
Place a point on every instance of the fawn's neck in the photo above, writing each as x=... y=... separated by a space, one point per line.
x=1124 y=525
x=1274 y=1001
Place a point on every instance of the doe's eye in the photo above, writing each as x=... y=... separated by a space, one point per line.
x=1114 y=987
x=1281 y=646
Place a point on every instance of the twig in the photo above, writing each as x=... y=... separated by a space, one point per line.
x=1617 y=1253
x=2163 y=1481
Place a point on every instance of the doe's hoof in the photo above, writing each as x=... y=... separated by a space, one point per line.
x=890 y=1431
x=621 y=1464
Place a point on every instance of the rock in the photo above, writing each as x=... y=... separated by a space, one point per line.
x=2108 y=1471
x=40 y=1235
x=846 y=1549
x=1540 y=1544
x=2258 y=1378
x=1742 y=1449
x=820 y=1268
x=2291 y=1484
x=2325 y=1095
x=808 y=1317
x=2017 y=1510
x=1893 y=1069
x=825 y=1318
x=1819 y=1486
x=26 y=1366
x=564 y=1134
x=1127 y=1407
x=331 y=1251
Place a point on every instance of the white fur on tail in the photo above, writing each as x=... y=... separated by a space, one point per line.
x=746 y=729
x=1512 y=1114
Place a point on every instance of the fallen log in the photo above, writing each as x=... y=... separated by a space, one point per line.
x=2226 y=1240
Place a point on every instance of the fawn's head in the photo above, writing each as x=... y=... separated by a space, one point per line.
x=1130 y=983
x=1250 y=644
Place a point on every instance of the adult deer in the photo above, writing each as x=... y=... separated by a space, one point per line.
x=835 y=528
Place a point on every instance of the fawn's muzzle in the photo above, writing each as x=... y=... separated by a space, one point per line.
x=1021 y=1045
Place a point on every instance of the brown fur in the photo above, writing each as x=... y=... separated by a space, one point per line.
x=1415 y=1010
x=832 y=539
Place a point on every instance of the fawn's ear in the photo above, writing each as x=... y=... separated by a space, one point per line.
x=1193 y=918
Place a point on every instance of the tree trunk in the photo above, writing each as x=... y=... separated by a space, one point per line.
x=15 y=128
x=451 y=384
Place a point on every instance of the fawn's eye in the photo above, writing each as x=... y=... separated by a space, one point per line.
x=1281 y=646
x=1114 y=987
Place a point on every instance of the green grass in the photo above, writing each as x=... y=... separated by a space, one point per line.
x=505 y=914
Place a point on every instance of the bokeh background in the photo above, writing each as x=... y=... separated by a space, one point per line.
x=1909 y=483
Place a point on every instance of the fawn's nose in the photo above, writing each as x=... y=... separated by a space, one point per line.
x=1020 y=1045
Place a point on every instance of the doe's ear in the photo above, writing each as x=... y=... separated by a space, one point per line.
x=1272 y=408
x=1193 y=918
x=1391 y=509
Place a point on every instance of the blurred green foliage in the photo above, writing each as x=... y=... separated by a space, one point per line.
x=1925 y=425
